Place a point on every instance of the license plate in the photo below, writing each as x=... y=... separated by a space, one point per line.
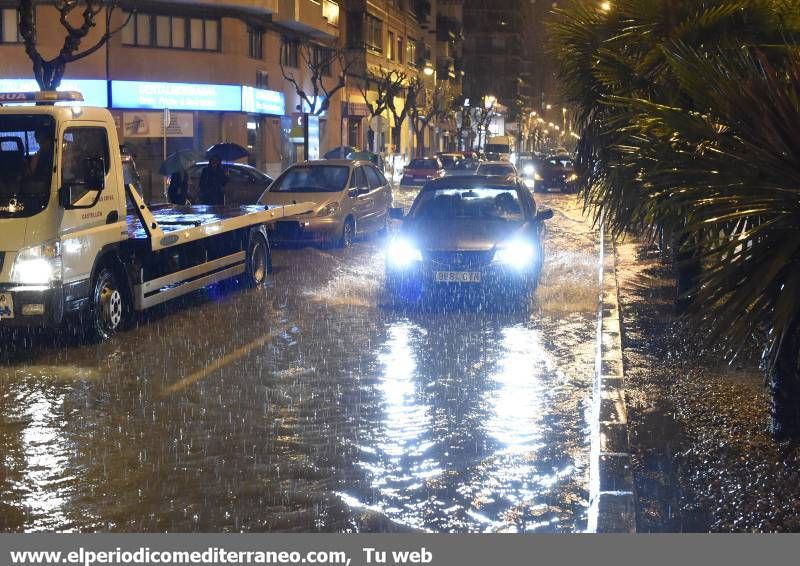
x=458 y=276
x=6 y=306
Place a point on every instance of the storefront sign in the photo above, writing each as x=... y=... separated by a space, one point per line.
x=151 y=125
x=261 y=101
x=176 y=96
x=318 y=102
x=95 y=92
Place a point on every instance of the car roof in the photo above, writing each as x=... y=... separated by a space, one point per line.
x=470 y=181
x=339 y=162
x=497 y=163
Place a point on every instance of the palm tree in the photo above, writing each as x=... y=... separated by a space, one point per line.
x=674 y=143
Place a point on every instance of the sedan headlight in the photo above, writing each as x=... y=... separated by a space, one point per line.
x=38 y=265
x=572 y=178
x=537 y=177
x=518 y=254
x=402 y=253
x=329 y=209
x=529 y=170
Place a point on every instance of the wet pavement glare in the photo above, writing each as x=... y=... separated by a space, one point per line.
x=310 y=406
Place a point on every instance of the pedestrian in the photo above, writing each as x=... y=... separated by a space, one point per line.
x=178 y=190
x=212 y=183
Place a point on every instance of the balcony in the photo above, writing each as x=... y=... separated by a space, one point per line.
x=446 y=67
x=320 y=20
x=447 y=29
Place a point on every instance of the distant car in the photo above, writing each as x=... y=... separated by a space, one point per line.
x=496 y=169
x=245 y=185
x=350 y=198
x=557 y=174
x=466 y=166
x=529 y=168
x=421 y=170
x=465 y=233
x=450 y=160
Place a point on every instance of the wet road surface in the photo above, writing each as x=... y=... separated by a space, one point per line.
x=309 y=406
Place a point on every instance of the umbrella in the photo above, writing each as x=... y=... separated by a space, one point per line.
x=336 y=153
x=227 y=151
x=179 y=161
x=365 y=156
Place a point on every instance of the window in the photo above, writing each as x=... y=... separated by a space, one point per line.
x=330 y=11
x=255 y=40
x=9 y=31
x=400 y=50
x=323 y=57
x=376 y=180
x=390 y=46
x=290 y=55
x=374 y=34
x=148 y=30
x=412 y=52
x=359 y=180
x=80 y=144
x=262 y=79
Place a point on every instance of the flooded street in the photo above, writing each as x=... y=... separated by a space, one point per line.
x=308 y=405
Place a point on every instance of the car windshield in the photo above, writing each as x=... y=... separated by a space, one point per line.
x=423 y=164
x=489 y=203
x=495 y=170
x=26 y=164
x=560 y=161
x=312 y=179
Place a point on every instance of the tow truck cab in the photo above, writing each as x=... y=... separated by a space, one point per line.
x=67 y=242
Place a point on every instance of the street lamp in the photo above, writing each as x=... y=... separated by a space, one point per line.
x=549 y=106
x=605 y=6
x=428 y=70
x=489 y=101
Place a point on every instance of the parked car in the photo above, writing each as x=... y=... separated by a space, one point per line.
x=350 y=198
x=421 y=170
x=557 y=174
x=245 y=185
x=496 y=169
x=529 y=168
x=467 y=233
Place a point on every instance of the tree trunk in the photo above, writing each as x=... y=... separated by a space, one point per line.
x=687 y=271
x=420 y=136
x=784 y=383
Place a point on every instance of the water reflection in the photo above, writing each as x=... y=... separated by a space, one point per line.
x=470 y=404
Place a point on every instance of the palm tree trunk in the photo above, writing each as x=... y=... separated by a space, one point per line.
x=687 y=270
x=784 y=383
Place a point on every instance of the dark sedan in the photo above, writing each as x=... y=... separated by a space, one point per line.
x=245 y=184
x=557 y=174
x=465 y=233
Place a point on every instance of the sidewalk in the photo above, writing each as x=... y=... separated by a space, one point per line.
x=702 y=457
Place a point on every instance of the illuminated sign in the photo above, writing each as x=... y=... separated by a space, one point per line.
x=95 y=92
x=318 y=102
x=261 y=101
x=176 y=96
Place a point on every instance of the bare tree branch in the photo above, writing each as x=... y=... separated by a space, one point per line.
x=320 y=61
x=48 y=73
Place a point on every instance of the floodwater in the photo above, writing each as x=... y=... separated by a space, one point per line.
x=309 y=406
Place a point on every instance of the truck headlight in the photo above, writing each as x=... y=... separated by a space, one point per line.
x=402 y=253
x=38 y=265
x=518 y=254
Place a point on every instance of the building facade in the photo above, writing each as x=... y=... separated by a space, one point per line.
x=215 y=66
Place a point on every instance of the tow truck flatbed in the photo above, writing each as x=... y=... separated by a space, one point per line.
x=184 y=220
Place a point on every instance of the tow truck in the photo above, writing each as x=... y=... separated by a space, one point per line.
x=79 y=245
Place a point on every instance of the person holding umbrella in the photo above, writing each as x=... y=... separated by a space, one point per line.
x=178 y=189
x=176 y=168
x=212 y=183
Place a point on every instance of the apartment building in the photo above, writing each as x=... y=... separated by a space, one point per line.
x=497 y=49
x=214 y=64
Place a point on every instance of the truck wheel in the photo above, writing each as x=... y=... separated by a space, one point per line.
x=348 y=233
x=257 y=261
x=108 y=308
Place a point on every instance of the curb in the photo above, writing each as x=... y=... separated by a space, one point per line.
x=612 y=503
